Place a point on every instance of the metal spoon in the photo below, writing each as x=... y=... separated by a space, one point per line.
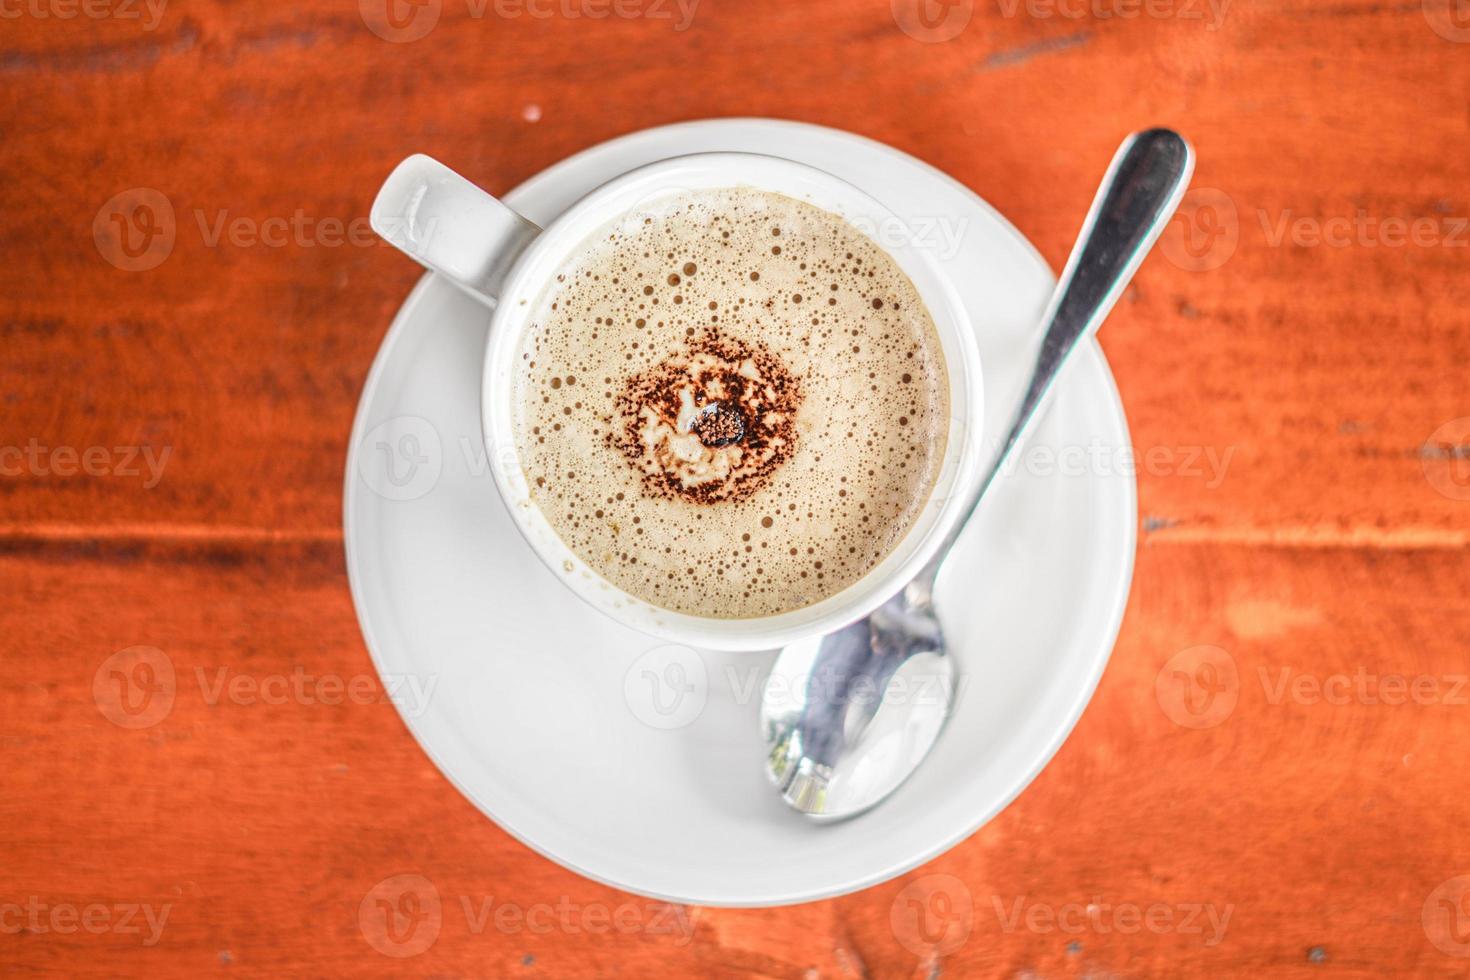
x=848 y=716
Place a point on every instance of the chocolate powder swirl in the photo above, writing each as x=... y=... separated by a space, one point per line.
x=711 y=423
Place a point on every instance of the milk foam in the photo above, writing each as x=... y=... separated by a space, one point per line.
x=732 y=404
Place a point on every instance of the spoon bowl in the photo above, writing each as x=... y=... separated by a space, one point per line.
x=883 y=682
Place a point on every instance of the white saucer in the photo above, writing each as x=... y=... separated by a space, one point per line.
x=640 y=764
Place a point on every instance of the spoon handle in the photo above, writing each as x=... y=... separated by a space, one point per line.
x=1137 y=197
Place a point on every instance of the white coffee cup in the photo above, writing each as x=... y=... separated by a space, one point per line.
x=462 y=233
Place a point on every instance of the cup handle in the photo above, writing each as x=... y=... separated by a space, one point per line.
x=450 y=226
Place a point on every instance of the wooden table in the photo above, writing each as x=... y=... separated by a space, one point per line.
x=1271 y=776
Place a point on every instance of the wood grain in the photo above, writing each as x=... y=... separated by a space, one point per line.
x=1329 y=539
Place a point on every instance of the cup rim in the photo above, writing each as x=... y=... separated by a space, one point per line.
x=710 y=170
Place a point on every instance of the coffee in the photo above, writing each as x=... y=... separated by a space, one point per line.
x=731 y=403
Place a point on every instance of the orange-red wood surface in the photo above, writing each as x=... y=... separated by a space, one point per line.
x=172 y=440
